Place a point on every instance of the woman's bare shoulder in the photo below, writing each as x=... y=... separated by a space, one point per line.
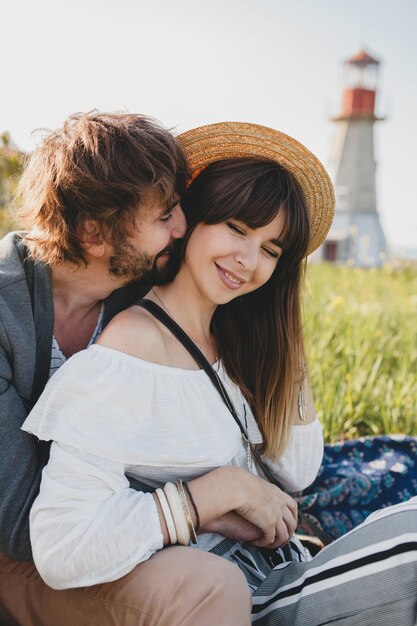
x=135 y=332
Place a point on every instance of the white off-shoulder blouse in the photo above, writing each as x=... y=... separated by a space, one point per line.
x=112 y=415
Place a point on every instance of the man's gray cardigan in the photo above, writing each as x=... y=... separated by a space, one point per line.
x=26 y=329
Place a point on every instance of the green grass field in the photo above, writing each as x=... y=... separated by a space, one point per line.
x=361 y=328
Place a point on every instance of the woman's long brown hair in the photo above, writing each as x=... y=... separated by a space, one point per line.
x=259 y=335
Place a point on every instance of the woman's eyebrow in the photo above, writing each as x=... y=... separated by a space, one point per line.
x=278 y=243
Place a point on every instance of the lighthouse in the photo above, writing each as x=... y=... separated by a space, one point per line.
x=356 y=236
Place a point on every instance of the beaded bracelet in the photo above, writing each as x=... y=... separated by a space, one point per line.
x=181 y=526
x=169 y=520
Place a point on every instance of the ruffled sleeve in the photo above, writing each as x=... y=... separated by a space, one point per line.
x=297 y=468
x=87 y=526
x=130 y=411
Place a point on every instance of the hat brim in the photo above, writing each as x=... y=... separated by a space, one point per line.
x=230 y=140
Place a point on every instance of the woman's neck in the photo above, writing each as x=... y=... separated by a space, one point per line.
x=185 y=304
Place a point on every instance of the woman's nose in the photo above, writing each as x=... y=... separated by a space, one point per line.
x=247 y=257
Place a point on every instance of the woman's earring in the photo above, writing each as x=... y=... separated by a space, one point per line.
x=302 y=405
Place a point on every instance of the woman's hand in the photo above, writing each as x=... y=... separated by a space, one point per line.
x=268 y=508
x=262 y=505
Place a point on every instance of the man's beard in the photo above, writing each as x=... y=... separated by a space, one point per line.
x=133 y=266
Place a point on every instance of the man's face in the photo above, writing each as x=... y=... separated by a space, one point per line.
x=152 y=251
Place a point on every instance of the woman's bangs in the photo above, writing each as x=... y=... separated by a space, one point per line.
x=251 y=191
x=252 y=194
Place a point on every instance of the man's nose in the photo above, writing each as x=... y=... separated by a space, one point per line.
x=179 y=225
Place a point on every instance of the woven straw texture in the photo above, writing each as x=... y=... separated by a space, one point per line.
x=227 y=140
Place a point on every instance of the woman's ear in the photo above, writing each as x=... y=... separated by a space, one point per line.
x=91 y=238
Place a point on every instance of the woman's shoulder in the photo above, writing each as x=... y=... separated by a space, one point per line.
x=137 y=333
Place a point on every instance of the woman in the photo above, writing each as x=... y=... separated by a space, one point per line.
x=137 y=404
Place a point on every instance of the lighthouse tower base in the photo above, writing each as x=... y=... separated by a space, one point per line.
x=355 y=239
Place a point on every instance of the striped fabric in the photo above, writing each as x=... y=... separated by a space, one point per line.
x=57 y=356
x=366 y=578
x=257 y=563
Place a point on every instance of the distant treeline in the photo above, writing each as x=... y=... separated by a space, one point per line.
x=10 y=170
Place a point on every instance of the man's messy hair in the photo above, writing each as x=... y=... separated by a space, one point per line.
x=99 y=167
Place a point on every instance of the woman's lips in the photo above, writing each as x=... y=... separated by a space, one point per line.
x=229 y=278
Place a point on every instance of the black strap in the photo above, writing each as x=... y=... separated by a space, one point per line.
x=28 y=266
x=201 y=360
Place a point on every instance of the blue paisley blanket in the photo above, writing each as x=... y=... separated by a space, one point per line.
x=358 y=477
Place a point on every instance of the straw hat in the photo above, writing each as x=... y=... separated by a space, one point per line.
x=228 y=140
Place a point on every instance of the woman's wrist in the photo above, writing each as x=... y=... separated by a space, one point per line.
x=225 y=482
x=217 y=493
x=235 y=480
x=230 y=490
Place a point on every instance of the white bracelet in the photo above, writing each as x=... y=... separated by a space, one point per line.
x=183 y=534
x=169 y=520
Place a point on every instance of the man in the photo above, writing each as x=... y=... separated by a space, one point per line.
x=99 y=199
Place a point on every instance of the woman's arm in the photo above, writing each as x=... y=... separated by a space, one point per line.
x=87 y=526
x=300 y=462
x=267 y=511
x=235 y=527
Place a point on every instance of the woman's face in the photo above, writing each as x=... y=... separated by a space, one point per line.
x=230 y=259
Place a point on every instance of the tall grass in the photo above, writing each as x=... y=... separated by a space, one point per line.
x=361 y=329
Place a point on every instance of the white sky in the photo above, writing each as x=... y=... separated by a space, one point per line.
x=192 y=62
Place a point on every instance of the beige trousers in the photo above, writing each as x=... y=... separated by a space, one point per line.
x=178 y=586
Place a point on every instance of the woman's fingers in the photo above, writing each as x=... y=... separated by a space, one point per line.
x=289 y=520
x=275 y=538
x=282 y=535
x=292 y=505
x=270 y=509
x=269 y=536
x=285 y=524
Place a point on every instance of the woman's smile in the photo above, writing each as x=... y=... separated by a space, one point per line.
x=230 y=279
x=243 y=258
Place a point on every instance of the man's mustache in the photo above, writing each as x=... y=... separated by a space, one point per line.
x=172 y=249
